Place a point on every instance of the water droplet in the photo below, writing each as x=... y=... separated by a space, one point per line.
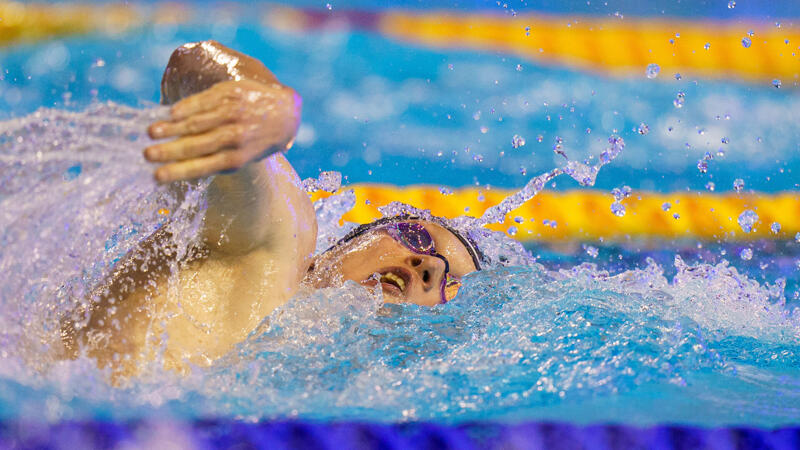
x=797 y=237
x=738 y=184
x=678 y=76
x=732 y=4
x=590 y=250
x=710 y=186
x=652 y=71
x=72 y=173
x=747 y=219
x=512 y=230
x=666 y=206
x=724 y=140
x=328 y=6
x=523 y=171
x=777 y=83
x=618 y=209
x=519 y=219
x=746 y=254
x=746 y=42
x=676 y=216
x=621 y=194
x=450 y=66
x=775 y=227
x=527 y=31
x=477 y=158
x=643 y=129
x=517 y=141
x=558 y=147
x=484 y=129
x=328 y=181
x=707 y=46
x=519 y=67
x=445 y=190
x=679 y=100
x=702 y=165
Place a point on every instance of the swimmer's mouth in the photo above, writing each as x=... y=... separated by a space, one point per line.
x=396 y=278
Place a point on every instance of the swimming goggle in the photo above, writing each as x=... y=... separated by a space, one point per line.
x=416 y=238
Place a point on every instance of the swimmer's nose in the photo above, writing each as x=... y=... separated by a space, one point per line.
x=429 y=268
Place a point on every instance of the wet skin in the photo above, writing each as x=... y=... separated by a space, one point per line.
x=230 y=117
x=404 y=276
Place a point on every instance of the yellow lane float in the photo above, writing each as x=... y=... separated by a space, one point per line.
x=611 y=45
x=585 y=215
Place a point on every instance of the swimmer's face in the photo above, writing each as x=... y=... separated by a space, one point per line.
x=404 y=276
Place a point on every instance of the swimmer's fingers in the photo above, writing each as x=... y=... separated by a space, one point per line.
x=203 y=166
x=194 y=124
x=195 y=145
x=208 y=100
x=197 y=103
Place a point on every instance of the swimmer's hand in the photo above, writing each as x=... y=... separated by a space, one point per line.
x=224 y=128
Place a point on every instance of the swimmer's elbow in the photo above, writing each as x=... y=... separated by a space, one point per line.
x=193 y=68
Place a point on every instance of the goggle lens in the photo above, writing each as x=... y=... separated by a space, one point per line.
x=416 y=238
x=450 y=288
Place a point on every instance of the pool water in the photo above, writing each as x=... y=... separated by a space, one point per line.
x=637 y=332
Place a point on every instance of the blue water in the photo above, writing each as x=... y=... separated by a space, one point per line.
x=640 y=334
x=377 y=109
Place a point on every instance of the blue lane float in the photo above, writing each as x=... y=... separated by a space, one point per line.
x=310 y=435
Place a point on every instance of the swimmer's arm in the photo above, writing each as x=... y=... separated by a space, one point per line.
x=235 y=112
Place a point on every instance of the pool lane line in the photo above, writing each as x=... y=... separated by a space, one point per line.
x=608 y=45
x=221 y=432
x=585 y=215
x=32 y=22
x=612 y=46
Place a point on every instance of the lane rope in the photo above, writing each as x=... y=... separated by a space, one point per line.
x=585 y=215
x=607 y=45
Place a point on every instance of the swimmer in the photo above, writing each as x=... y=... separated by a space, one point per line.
x=231 y=118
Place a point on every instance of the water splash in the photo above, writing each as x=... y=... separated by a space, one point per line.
x=328 y=181
x=76 y=196
x=583 y=173
x=521 y=342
